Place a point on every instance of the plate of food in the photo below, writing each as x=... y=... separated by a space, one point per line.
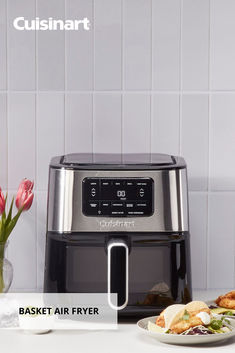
x=193 y=323
x=224 y=305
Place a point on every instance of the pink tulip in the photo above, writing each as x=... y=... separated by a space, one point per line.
x=24 y=196
x=2 y=202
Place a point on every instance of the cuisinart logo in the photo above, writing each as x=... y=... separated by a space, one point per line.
x=21 y=24
x=117 y=224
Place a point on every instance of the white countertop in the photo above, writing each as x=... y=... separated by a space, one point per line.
x=126 y=339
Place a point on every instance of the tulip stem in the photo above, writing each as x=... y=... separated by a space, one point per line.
x=2 y=249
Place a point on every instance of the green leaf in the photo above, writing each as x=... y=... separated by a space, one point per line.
x=12 y=224
x=2 y=229
x=10 y=212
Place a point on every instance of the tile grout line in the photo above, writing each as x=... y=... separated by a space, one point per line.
x=36 y=205
x=65 y=49
x=36 y=51
x=137 y=91
x=151 y=75
x=7 y=95
x=123 y=76
x=180 y=78
x=65 y=75
x=7 y=101
x=93 y=75
x=36 y=98
x=6 y=39
x=209 y=140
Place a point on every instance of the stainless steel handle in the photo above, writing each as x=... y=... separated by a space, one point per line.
x=118 y=272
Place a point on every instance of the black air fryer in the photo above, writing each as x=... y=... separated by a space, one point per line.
x=119 y=224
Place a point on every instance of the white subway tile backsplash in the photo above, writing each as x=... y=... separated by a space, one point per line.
x=194 y=139
x=22 y=250
x=166 y=44
x=3 y=141
x=195 y=44
x=137 y=44
x=165 y=123
x=21 y=138
x=198 y=232
x=222 y=45
x=3 y=41
x=51 y=48
x=136 y=123
x=41 y=236
x=78 y=123
x=107 y=123
x=79 y=47
x=142 y=79
x=222 y=147
x=221 y=242
x=21 y=47
x=108 y=44
x=50 y=133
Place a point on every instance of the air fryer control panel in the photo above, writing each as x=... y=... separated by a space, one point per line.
x=119 y=197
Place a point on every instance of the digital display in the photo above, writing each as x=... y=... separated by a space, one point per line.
x=113 y=192
x=121 y=193
x=117 y=197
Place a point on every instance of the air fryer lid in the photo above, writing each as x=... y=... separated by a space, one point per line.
x=118 y=161
x=156 y=159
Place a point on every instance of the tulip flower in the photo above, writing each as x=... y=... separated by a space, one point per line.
x=2 y=202
x=24 y=196
x=24 y=199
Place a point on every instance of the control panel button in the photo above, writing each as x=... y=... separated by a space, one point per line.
x=93 y=204
x=105 y=208
x=105 y=204
x=117 y=209
x=93 y=192
x=144 y=207
x=92 y=208
x=141 y=204
x=91 y=189
x=94 y=183
x=133 y=213
x=117 y=204
x=117 y=183
x=129 y=204
x=141 y=192
x=105 y=183
x=117 y=213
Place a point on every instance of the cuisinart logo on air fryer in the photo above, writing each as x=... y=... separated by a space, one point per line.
x=117 y=224
x=21 y=24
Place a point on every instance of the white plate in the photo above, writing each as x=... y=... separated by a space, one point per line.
x=212 y=302
x=181 y=339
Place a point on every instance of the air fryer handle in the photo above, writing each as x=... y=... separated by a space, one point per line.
x=118 y=272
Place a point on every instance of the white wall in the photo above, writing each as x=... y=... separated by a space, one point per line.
x=152 y=76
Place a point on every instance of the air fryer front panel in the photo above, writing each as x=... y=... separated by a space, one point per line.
x=164 y=207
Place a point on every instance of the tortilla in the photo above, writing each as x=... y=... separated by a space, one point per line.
x=170 y=312
x=190 y=307
x=196 y=305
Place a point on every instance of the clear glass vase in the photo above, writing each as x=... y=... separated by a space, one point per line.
x=6 y=269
